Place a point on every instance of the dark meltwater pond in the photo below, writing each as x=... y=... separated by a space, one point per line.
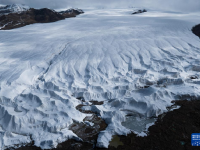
x=137 y=124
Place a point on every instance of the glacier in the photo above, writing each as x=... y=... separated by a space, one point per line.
x=136 y=64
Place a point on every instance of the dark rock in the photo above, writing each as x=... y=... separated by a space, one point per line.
x=68 y=145
x=5 y=11
x=81 y=99
x=139 y=11
x=196 y=30
x=16 y=20
x=144 y=87
x=71 y=13
x=97 y=102
x=193 y=77
x=89 y=133
x=46 y=15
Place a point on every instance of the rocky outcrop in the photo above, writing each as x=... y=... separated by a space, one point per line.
x=89 y=129
x=71 y=13
x=22 y=18
x=196 y=30
x=139 y=11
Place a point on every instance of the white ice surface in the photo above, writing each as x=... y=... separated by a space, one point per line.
x=14 y=8
x=104 y=55
x=18 y=7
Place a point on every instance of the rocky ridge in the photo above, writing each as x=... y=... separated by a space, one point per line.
x=139 y=11
x=15 y=16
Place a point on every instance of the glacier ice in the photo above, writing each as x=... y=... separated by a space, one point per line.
x=136 y=64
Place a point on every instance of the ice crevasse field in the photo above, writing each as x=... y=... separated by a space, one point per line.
x=136 y=64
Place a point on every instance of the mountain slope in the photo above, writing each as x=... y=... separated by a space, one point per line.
x=15 y=16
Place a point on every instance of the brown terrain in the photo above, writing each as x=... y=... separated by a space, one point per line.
x=16 y=20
